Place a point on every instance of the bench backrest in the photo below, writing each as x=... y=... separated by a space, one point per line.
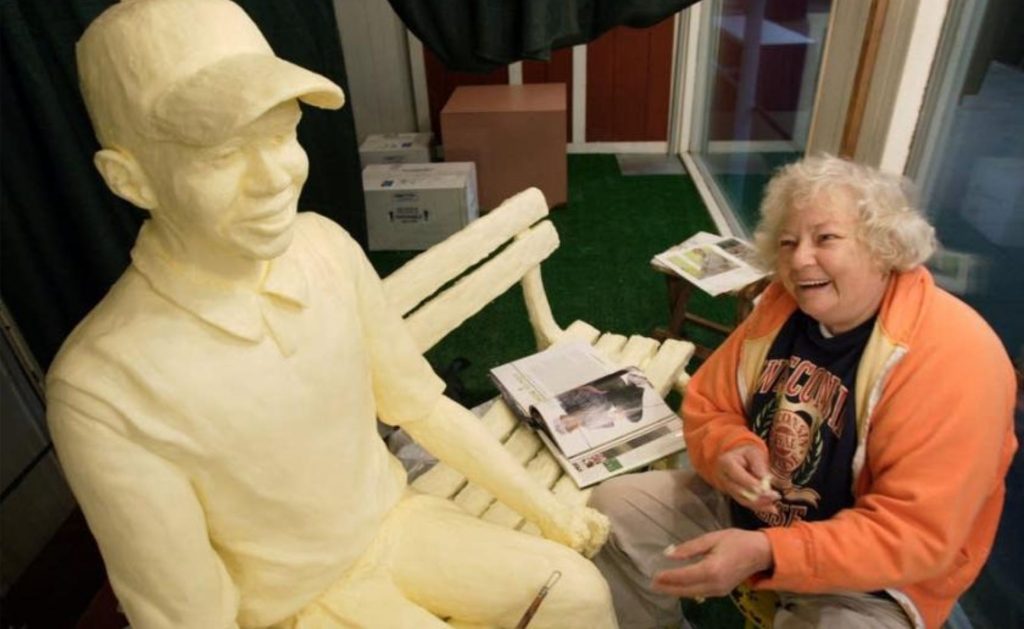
x=450 y=282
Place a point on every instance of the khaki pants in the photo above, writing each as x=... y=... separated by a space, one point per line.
x=652 y=510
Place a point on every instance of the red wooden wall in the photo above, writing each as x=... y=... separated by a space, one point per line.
x=628 y=83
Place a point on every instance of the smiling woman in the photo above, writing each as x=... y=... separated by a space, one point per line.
x=825 y=266
x=834 y=230
x=837 y=418
x=888 y=223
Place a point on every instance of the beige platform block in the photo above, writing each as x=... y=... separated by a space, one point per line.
x=516 y=135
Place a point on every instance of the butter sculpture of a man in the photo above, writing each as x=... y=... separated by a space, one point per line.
x=215 y=413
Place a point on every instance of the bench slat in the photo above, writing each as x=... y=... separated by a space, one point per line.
x=610 y=346
x=637 y=351
x=422 y=276
x=501 y=515
x=580 y=331
x=435 y=319
x=669 y=365
x=546 y=330
x=436 y=294
x=440 y=480
x=500 y=420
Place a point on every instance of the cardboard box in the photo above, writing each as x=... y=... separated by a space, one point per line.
x=414 y=206
x=516 y=135
x=395 y=148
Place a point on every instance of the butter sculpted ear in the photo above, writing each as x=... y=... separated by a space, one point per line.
x=125 y=178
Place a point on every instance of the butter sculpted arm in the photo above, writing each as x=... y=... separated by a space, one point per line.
x=456 y=436
x=408 y=393
x=149 y=525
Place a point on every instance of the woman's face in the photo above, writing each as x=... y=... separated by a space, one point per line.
x=824 y=265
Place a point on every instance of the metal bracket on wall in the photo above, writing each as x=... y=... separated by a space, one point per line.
x=26 y=360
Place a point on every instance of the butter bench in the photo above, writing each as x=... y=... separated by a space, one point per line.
x=447 y=284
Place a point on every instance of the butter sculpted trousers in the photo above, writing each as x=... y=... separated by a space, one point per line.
x=431 y=559
x=652 y=510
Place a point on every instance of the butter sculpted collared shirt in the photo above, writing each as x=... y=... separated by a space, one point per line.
x=221 y=441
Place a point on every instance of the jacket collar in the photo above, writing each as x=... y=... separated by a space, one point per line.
x=235 y=309
x=898 y=316
x=773 y=309
x=904 y=304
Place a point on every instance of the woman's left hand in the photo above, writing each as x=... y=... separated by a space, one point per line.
x=724 y=559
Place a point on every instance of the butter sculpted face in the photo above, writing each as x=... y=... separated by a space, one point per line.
x=237 y=198
x=197 y=118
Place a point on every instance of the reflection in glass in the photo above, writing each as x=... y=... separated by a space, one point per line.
x=765 y=56
x=968 y=159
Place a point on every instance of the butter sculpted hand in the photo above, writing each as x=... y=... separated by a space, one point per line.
x=583 y=529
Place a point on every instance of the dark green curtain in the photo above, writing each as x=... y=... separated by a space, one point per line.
x=65 y=238
x=481 y=35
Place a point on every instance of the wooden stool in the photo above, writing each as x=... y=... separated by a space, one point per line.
x=679 y=292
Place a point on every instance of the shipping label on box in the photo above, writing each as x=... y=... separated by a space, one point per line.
x=415 y=206
x=395 y=148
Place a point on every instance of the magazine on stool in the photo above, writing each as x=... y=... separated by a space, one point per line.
x=714 y=264
x=597 y=420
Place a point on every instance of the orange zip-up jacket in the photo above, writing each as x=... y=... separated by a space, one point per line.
x=934 y=395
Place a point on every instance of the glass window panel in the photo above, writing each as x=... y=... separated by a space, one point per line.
x=764 y=57
x=968 y=159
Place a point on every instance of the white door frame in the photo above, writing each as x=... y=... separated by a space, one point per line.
x=960 y=33
x=925 y=34
x=692 y=59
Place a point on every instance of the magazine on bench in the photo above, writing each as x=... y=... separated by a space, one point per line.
x=596 y=419
x=714 y=264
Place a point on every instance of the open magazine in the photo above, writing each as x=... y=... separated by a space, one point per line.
x=714 y=264
x=597 y=420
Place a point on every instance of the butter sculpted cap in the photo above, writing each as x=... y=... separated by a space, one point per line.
x=192 y=71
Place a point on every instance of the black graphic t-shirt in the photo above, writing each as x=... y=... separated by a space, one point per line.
x=803 y=408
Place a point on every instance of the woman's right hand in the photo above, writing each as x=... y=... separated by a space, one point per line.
x=742 y=473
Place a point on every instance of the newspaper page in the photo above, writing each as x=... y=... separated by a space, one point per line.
x=529 y=381
x=631 y=453
x=602 y=411
x=596 y=421
x=715 y=264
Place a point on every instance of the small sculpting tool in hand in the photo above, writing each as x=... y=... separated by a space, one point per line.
x=537 y=600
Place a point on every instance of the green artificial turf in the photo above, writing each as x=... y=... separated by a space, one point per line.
x=610 y=228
